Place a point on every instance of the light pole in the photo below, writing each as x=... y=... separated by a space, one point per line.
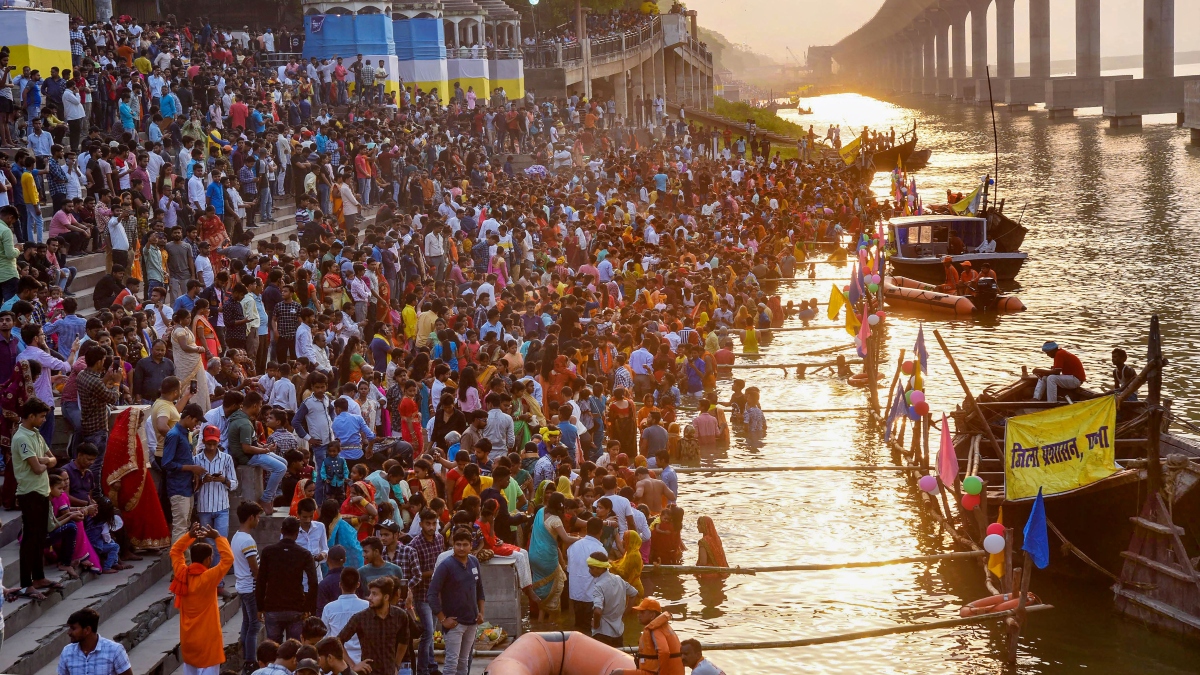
x=536 y=43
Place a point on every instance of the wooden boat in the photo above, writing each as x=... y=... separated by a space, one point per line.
x=922 y=242
x=886 y=160
x=1091 y=527
x=803 y=111
x=918 y=159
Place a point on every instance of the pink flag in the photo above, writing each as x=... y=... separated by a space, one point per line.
x=864 y=332
x=947 y=461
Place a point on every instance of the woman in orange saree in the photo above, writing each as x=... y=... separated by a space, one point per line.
x=126 y=480
x=212 y=230
x=712 y=551
x=203 y=333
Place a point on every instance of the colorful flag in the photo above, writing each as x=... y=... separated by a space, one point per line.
x=1037 y=543
x=864 y=332
x=849 y=151
x=899 y=410
x=851 y=322
x=836 y=299
x=947 y=459
x=856 y=289
x=919 y=349
x=968 y=204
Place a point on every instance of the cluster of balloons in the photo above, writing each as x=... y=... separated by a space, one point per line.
x=918 y=407
x=973 y=487
x=994 y=541
x=875 y=318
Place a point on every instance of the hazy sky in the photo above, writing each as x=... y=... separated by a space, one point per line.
x=771 y=25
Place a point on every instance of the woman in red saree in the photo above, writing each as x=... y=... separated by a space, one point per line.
x=13 y=395
x=410 y=425
x=212 y=230
x=359 y=508
x=126 y=481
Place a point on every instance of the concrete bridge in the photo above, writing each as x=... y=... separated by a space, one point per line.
x=663 y=57
x=919 y=46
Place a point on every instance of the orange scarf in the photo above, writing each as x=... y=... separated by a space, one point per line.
x=179 y=585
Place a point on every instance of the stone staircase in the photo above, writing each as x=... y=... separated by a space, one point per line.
x=91 y=267
x=135 y=606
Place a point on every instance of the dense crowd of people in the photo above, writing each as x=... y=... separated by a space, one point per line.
x=450 y=359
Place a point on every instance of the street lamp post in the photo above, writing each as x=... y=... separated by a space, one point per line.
x=536 y=43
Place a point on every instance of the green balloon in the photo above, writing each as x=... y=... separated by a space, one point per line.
x=873 y=287
x=972 y=485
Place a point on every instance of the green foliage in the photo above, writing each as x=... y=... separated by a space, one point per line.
x=765 y=119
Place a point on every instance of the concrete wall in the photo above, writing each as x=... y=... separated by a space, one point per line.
x=1191 y=105
x=1077 y=92
x=546 y=82
x=1128 y=98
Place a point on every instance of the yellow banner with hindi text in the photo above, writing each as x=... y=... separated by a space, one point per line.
x=1061 y=449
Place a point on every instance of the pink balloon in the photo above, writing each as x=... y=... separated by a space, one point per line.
x=881 y=314
x=996 y=528
x=918 y=396
x=928 y=484
x=875 y=278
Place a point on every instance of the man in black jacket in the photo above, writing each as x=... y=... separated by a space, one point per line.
x=280 y=588
x=108 y=288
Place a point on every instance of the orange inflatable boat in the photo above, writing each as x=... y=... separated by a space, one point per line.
x=906 y=293
x=559 y=653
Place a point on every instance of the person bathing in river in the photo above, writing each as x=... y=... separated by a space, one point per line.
x=1066 y=373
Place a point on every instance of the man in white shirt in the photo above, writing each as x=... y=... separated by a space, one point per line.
x=338 y=613
x=204 y=266
x=579 y=577
x=621 y=508
x=435 y=251
x=642 y=364
x=196 y=189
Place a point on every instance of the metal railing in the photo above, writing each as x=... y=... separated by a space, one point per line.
x=558 y=55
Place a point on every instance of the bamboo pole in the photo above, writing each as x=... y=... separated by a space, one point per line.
x=895 y=379
x=967 y=390
x=791 y=329
x=815 y=352
x=828 y=364
x=815 y=567
x=839 y=637
x=775 y=469
x=812 y=410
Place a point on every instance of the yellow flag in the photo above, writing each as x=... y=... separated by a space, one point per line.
x=849 y=151
x=836 y=300
x=995 y=563
x=964 y=205
x=852 y=323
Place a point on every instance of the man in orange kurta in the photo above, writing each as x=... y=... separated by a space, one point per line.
x=201 y=645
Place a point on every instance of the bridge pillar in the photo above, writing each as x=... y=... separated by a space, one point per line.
x=1159 y=91
x=915 y=60
x=928 y=64
x=1086 y=89
x=1039 y=39
x=639 y=94
x=1158 y=39
x=1005 y=41
x=621 y=93
x=1087 y=38
x=941 y=38
x=660 y=77
x=670 y=77
x=979 y=50
x=958 y=26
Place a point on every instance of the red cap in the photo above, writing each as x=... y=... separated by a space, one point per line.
x=212 y=433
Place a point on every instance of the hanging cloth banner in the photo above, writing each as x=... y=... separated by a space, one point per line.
x=1061 y=449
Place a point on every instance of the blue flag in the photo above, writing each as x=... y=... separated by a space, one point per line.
x=856 y=289
x=1037 y=544
x=317 y=22
x=920 y=351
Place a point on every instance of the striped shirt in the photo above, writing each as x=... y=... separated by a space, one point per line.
x=213 y=496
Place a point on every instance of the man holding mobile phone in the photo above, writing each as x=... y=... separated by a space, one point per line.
x=213 y=488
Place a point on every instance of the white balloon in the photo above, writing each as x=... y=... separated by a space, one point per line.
x=993 y=543
x=873 y=320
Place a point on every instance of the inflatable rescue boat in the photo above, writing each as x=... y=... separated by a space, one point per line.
x=905 y=293
x=559 y=653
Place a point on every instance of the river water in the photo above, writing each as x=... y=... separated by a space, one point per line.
x=1114 y=235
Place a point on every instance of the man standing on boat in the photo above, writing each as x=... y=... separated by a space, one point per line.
x=1066 y=373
